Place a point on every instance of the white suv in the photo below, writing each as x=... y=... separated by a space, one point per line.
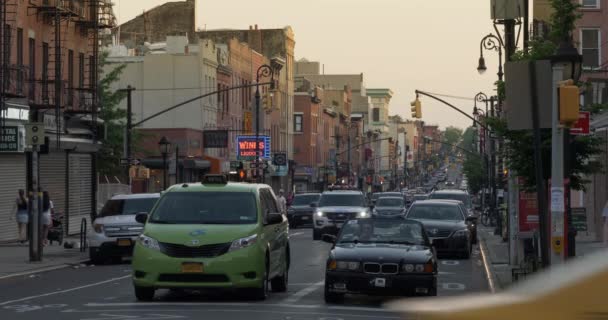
x=115 y=230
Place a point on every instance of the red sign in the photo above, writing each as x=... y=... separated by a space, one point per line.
x=581 y=127
x=528 y=210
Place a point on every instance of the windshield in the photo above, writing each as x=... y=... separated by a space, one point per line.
x=382 y=231
x=389 y=202
x=342 y=200
x=453 y=196
x=127 y=206
x=305 y=199
x=435 y=212
x=420 y=197
x=206 y=208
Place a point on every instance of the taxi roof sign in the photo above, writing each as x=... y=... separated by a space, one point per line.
x=215 y=179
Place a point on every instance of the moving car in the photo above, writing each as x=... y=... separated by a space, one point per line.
x=115 y=229
x=301 y=210
x=419 y=197
x=446 y=224
x=459 y=195
x=389 y=207
x=335 y=208
x=391 y=257
x=215 y=234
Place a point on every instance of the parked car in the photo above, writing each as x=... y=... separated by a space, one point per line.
x=302 y=208
x=115 y=230
x=391 y=257
x=335 y=208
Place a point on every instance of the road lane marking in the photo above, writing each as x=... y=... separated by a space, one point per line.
x=453 y=286
x=450 y=262
x=304 y=292
x=108 y=316
x=297 y=234
x=64 y=291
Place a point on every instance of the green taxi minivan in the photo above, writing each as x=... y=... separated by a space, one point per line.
x=214 y=234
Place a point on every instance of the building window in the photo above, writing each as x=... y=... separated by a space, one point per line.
x=81 y=75
x=297 y=122
x=376 y=115
x=45 y=72
x=590 y=4
x=590 y=47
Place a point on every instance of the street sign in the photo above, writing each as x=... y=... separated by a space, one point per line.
x=235 y=164
x=581 y=127
x=124 y=162
x=135 y=162
x=579 y=219
x=34 y=133
x=9 y=139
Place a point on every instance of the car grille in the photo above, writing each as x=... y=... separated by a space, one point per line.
x=206 y=251
x=184 y=277
x=443 y=233
x=341 y=216
x=386 y=268
x=123 y=231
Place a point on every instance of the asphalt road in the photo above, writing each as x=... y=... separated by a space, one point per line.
x=105 y=293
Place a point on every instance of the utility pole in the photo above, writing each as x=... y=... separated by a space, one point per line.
x=557 y=173
x=349 y=152
x=129 y=127
x=176 y=164
x=336 y=162
x=35 y=241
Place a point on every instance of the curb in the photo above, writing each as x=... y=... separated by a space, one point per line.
x=43 y=270
x=489 y=269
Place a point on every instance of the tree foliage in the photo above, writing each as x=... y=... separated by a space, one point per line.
x=452 y=135
x=114 y=119
x=474 y=167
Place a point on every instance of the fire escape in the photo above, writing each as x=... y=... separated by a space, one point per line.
x=11 y=79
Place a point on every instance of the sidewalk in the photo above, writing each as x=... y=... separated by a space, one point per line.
x=14 y=259
x=497 y=255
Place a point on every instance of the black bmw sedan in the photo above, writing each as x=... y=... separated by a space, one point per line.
x=447 y=225
x=390 y=257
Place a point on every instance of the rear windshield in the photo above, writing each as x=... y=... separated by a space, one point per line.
x=305 y=199
x=206 y=208
x=342 y=200
x=127 y=206
x=453 y=196
x=389 y=202
x=435 y=212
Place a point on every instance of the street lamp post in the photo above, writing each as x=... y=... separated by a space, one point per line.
x=263 y=71
x=164 y=146
x=492 y=43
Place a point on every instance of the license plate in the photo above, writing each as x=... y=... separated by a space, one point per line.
x=192 y=267
x=124 y=242
x=305 y=218
x=380 y=282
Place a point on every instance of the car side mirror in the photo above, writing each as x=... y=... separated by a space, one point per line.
x=141 y=217
x=313 y=205
x=328 y=238
x=274 y=218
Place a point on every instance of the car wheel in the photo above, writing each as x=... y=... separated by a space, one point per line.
x=95 y=257
x=261 y=293
x=144 y=293
x=279 y=283
x=332 y=297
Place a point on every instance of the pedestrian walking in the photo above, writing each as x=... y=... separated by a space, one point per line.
x=282 y=201
x=46 y=219
x=20 y=208
x=289 y=199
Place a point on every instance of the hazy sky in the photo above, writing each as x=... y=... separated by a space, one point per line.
x=398 y=44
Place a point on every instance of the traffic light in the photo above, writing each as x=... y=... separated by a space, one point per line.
x=242 y=175
x=416 y=109
x=569 y=96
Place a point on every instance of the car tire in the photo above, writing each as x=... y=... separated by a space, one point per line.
x=316 y=234
x=279 y=283
x=95 y=257
x=144 y=293
x=261 y=293
x=332 y=297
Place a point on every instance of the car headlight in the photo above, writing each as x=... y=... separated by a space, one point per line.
x=148 y=242
x=243 y=242
x=408 y=267
x=319 y=214
x=347 y=265
x=98 y=227
x=418 y=268
x=461 y=233
x=363 y=214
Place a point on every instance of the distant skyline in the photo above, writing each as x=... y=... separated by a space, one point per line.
x=403 y=45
